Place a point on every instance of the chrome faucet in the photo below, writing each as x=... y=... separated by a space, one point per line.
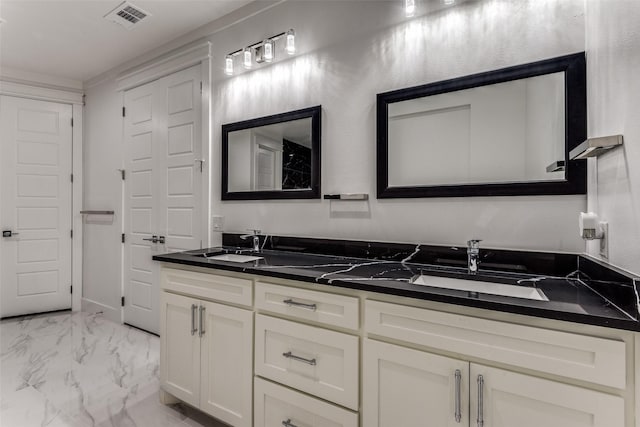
x=473 y=255
x=256 y=239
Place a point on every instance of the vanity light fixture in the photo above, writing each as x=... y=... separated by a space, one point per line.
x=228 y=65
x=247 y=58
x=409 y=8
x=259 y=52
x=290 y=46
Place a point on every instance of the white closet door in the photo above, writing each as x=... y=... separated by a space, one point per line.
x=163 y=190
x=35 y=165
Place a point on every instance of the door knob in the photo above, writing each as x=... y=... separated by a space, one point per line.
x=9 y=233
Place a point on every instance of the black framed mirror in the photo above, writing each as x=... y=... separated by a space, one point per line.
x=273 y=157
x=506 y=132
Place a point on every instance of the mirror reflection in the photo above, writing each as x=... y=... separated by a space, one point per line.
x=506 y=132
x=273 y=157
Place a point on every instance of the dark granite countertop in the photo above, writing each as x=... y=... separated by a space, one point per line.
x=591 y=295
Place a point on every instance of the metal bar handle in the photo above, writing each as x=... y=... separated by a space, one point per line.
x=458 y=397
x=480 y=419
x=292 y=303
x=290 y=355
x=194 y=328
x=288 y=423
x=153 y=239
x=202 y=314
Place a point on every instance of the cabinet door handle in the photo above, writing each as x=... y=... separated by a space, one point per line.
x=290 y=355
x=194 y=328
x=458 y=397
x=293 y=303
x=480 y=419
x=202 y=314
x=288 y=423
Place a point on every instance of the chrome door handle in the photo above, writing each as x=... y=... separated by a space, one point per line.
x=480 y=419
x=153 y=239
x=194 y=328
x=292 y=303
x=290 y=355
x=288 y=423
x=202 y=314
x=9 y=233
x=161 y=239
x=458 y=397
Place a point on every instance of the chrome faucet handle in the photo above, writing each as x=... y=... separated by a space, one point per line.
x=474 y=243
x=255 y=231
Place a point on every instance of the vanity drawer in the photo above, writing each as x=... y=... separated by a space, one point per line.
x=276 y=405
x=315 y=360
x=581 y=357
x=216 y=287
x=321 y=307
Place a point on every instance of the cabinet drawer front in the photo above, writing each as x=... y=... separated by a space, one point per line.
x=276 y=405
x=597 y=360
x=210 y=286
x=321 y=307
x=314 y=360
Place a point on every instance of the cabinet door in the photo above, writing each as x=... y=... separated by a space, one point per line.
x=405 y=387
x=179 y=347
x=227 y=363
x=509 y=399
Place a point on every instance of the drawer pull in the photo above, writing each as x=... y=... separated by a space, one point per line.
x=194 y=328
x=202 y=315
x=292 y=303
x=480 y=419
x=290 y=355
x=288 y=423
x=458 y=410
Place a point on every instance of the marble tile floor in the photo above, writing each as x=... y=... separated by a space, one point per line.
x=81 y=370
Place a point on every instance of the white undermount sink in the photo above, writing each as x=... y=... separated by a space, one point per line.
x=481 y=287
x=235 y=258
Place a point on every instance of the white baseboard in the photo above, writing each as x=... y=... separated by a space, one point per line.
x=112 y=313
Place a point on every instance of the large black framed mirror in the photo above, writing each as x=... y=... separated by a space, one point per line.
x=273 y=157
x=506 y=132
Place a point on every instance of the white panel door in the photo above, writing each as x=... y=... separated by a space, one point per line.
x=141 y=288
x=163 y=189
x=411 y=388
x=509 y=399
x=226 y=374
x=180 y=347
x=35 y=161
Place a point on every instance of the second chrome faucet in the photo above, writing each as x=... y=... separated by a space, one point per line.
x=256 y=239
x=473 y=255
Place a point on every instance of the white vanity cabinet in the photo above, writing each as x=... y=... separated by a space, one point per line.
x=413 y=385
x=206 y=348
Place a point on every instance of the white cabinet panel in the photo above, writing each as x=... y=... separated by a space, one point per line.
x=510 y=399
x=314 y=360
x=405 y=387
x=276 y=405
x=227 y=363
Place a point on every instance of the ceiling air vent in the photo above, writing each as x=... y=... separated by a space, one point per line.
x=126 y=15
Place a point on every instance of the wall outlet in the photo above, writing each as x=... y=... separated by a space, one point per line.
x=604 y=241
x=217 y=222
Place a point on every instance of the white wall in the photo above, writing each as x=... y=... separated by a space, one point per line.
x=613 y=66
x=103 y=156
x=345 y=74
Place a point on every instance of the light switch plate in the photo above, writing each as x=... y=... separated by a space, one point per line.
x=217 y=222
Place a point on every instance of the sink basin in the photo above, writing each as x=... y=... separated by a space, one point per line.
x=514 y=291
x=235 y=258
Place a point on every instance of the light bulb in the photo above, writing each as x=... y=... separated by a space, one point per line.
x=409 y=8
x=267 y=50
x=228 y=65
x=247 y=58
x=291 y=42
